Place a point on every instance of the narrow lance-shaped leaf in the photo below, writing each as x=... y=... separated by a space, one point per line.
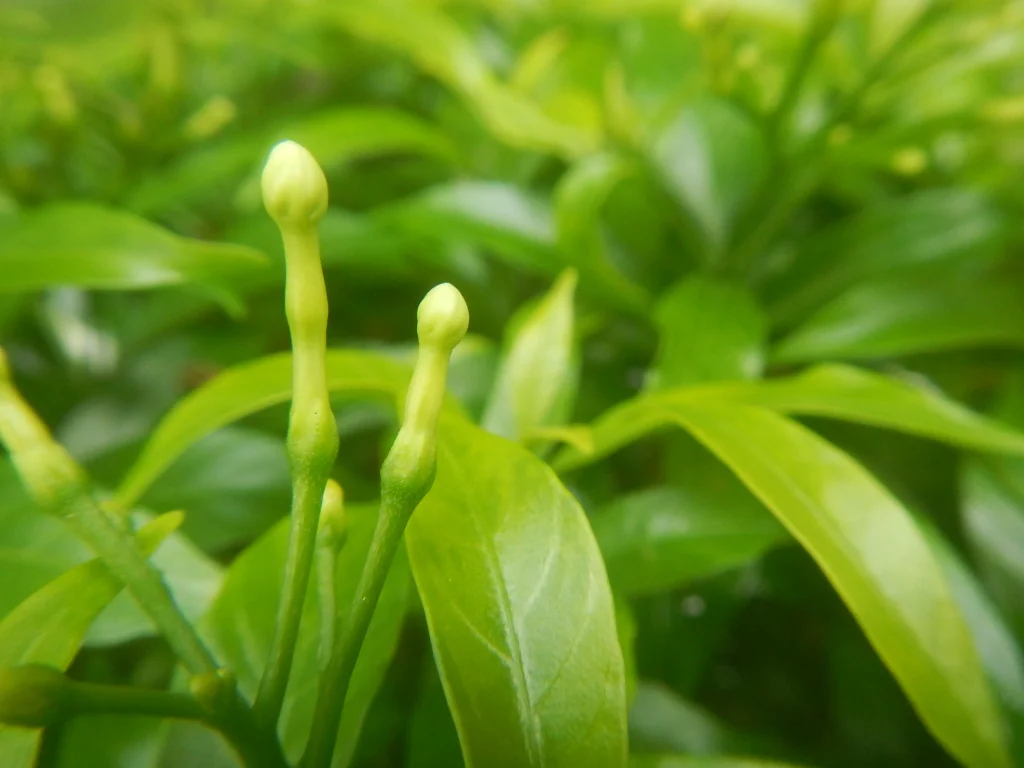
x=877 y=560
x=240 y=625
x=833 y=391
x=537 y=378
x=87 y=245
x=49 y=626
x=529 y=657
x=243 y=390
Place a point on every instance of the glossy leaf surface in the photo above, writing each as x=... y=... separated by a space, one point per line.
x=875 y=557
x=529 y=658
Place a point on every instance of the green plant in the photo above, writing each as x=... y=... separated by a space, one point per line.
x=708 y=476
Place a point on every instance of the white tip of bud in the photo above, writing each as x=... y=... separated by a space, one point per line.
x=294 y=186
x=443 y=317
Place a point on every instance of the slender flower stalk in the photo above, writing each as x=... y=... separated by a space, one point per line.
x=406 y=477
x=330 y=539
x=61 y=488
x=295 y=196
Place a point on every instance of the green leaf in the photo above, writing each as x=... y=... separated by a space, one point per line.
x=680 y=761
x=709 y=331
x=997 y=649
x=245 y=389
x=49 y=627
x=113 y=740
x=336 y=137
x=660 y=538
x=91 y=246
x=513 y=224
x=626 y=629
x=833 y=391
x=435 y=44
x=928 y=310
x=890 y=20
x=433 y=740
x=994 y=523
x=933 y=226
x=579 y=197
x=877 y=560
x=529 y=657
x=537 y=378
x=661 y=721
x=240 y=626
x=710 y=158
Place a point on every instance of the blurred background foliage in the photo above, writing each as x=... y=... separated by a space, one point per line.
x=845 y=175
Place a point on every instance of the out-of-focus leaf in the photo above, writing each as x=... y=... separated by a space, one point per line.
x=833 y=391
x=933 y=226
x=240 y=625
x=49 y=627
x=657 y=539
x=233 y=484
x=661 y=721
x=579 y=198
x=877 y=560
x=709 y=331
x=335 y=137
x=928 y=310
x=994 y=522
x=710 y=158
x=91 y=246
x=433 y=740
x=681 y=761
x=529 y=658
x=890 y=19
x=103 y=741
x=471 y=374
x=625 y=628
x=997 y=649
x=502 y=218
x=536 y=382
x=435 y=44
x=243 y=390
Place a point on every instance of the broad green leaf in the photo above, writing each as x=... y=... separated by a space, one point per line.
x=877 y=560
x=537 y=379
x=681 y=761
x=928 y=310
x=661 y=721
x=240 y=626
x=710 y=158
x=579 y=197
x=335 y=137
x=88 y=245
x=529 y=657
x=997 y=649
x=928 y=227
x=243 y=390
x=832 y=391
x=434 y=43
x=513 y=224
x=50 y=625
x=709 y=331
x=660 y=538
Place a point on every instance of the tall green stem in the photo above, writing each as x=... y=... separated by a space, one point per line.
x=406 y=477
x=295 y=193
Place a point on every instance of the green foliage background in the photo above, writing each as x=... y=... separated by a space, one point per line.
x=740 y=190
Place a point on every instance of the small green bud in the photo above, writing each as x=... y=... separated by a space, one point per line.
x=33 y=696
x=442 y=318
x=213 y=690
x=294 y=187
x=333 y=521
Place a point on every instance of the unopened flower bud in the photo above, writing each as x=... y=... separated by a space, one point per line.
x=32 y=696
x=333 y=520
x=294 y=187
x=442 y=318
x=213 y=690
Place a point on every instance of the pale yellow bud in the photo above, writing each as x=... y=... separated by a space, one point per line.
x=294 y=187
